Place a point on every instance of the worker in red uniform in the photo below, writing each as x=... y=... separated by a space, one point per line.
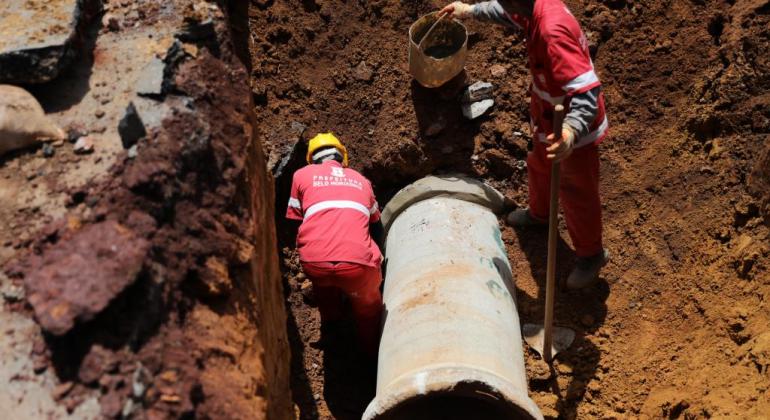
x=337 y=238
x=562 y=73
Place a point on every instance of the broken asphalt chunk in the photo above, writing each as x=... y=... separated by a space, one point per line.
x=477 y=92
x=150 y=81
x=37 y=40
x=477 y=109
x=131 y=128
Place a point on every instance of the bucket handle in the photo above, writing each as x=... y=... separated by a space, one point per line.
x=424 y=37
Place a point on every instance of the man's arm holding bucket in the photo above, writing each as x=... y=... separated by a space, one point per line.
x=488 y=11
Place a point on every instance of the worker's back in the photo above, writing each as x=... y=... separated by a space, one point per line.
x=335 y=205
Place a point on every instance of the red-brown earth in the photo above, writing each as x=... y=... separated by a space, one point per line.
x=678 y=325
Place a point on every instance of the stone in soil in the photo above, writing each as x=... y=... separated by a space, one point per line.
x=39 y=38
x=497 y=70
x=84 y=145
x=477 y=92
x=131 y=128
x=77 y=277
x=363 y=72
x=150 y=81
x=477 y=109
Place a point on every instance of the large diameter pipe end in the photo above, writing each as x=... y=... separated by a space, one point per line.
x=460 y=187
x=449 y=393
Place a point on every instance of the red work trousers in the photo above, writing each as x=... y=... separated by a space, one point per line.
x=578 y=193
x=361 y=284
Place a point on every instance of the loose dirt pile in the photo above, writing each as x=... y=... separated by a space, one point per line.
x=678 y=326
x=154 y=284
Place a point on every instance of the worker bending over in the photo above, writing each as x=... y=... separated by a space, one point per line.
x=337 y=208
x=562 y=73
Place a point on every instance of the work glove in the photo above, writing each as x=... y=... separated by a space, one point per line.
x=562 y=147
x=457 y=9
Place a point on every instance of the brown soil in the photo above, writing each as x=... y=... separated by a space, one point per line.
x=152 y=282
x=678 y=325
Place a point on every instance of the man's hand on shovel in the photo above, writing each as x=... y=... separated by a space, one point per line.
x=562 y=147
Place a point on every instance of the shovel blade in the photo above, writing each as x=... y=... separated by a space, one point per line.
x=534 y=335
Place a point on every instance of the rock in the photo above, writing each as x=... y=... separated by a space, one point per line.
x=22 y=120
x=84 y=145
x=48 y=150
x=306 y=288
x=74 y=279
x=76 y=131
x=150 y=82
x=132 y=152
x=99 y=113
x=498 y=70
x=128 y=409
x=39 y=38
x=477 y=92
x=139 y=380
x=131 y=128
x=363 y=72
x=477 y=109
x=301 y=276
x=587 y=320
x=11 y=292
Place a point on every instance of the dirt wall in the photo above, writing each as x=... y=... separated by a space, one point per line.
x=158 y=290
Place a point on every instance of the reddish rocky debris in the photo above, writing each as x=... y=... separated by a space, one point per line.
x=77 y=277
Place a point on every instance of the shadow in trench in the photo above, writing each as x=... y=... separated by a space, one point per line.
x=349 y=375
x=302 y=392
x=69 y=88
x=572 y=309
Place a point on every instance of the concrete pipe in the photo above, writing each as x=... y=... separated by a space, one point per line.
x=451 y=344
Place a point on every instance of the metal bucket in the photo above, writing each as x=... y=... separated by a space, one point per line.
x=444 y=53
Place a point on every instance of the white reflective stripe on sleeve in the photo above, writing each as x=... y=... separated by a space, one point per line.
x=586 y=79
x=336 y=204
x=594 y=135
x=374 y=208
x=588 y=139
x=293 y=202
x=554 y=100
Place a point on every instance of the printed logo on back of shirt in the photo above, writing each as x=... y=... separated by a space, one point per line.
x=338 y=171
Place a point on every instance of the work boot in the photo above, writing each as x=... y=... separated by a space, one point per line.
x=522 y=218
x=586 y=270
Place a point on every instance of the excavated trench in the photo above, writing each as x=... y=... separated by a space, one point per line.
x=682 y=190
x=151 y=271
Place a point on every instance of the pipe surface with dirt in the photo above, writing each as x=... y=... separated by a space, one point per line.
x=451 y=344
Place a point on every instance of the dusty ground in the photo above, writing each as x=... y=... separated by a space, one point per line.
x=678 y=325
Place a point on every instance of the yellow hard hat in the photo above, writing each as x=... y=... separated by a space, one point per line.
x=326 y=140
